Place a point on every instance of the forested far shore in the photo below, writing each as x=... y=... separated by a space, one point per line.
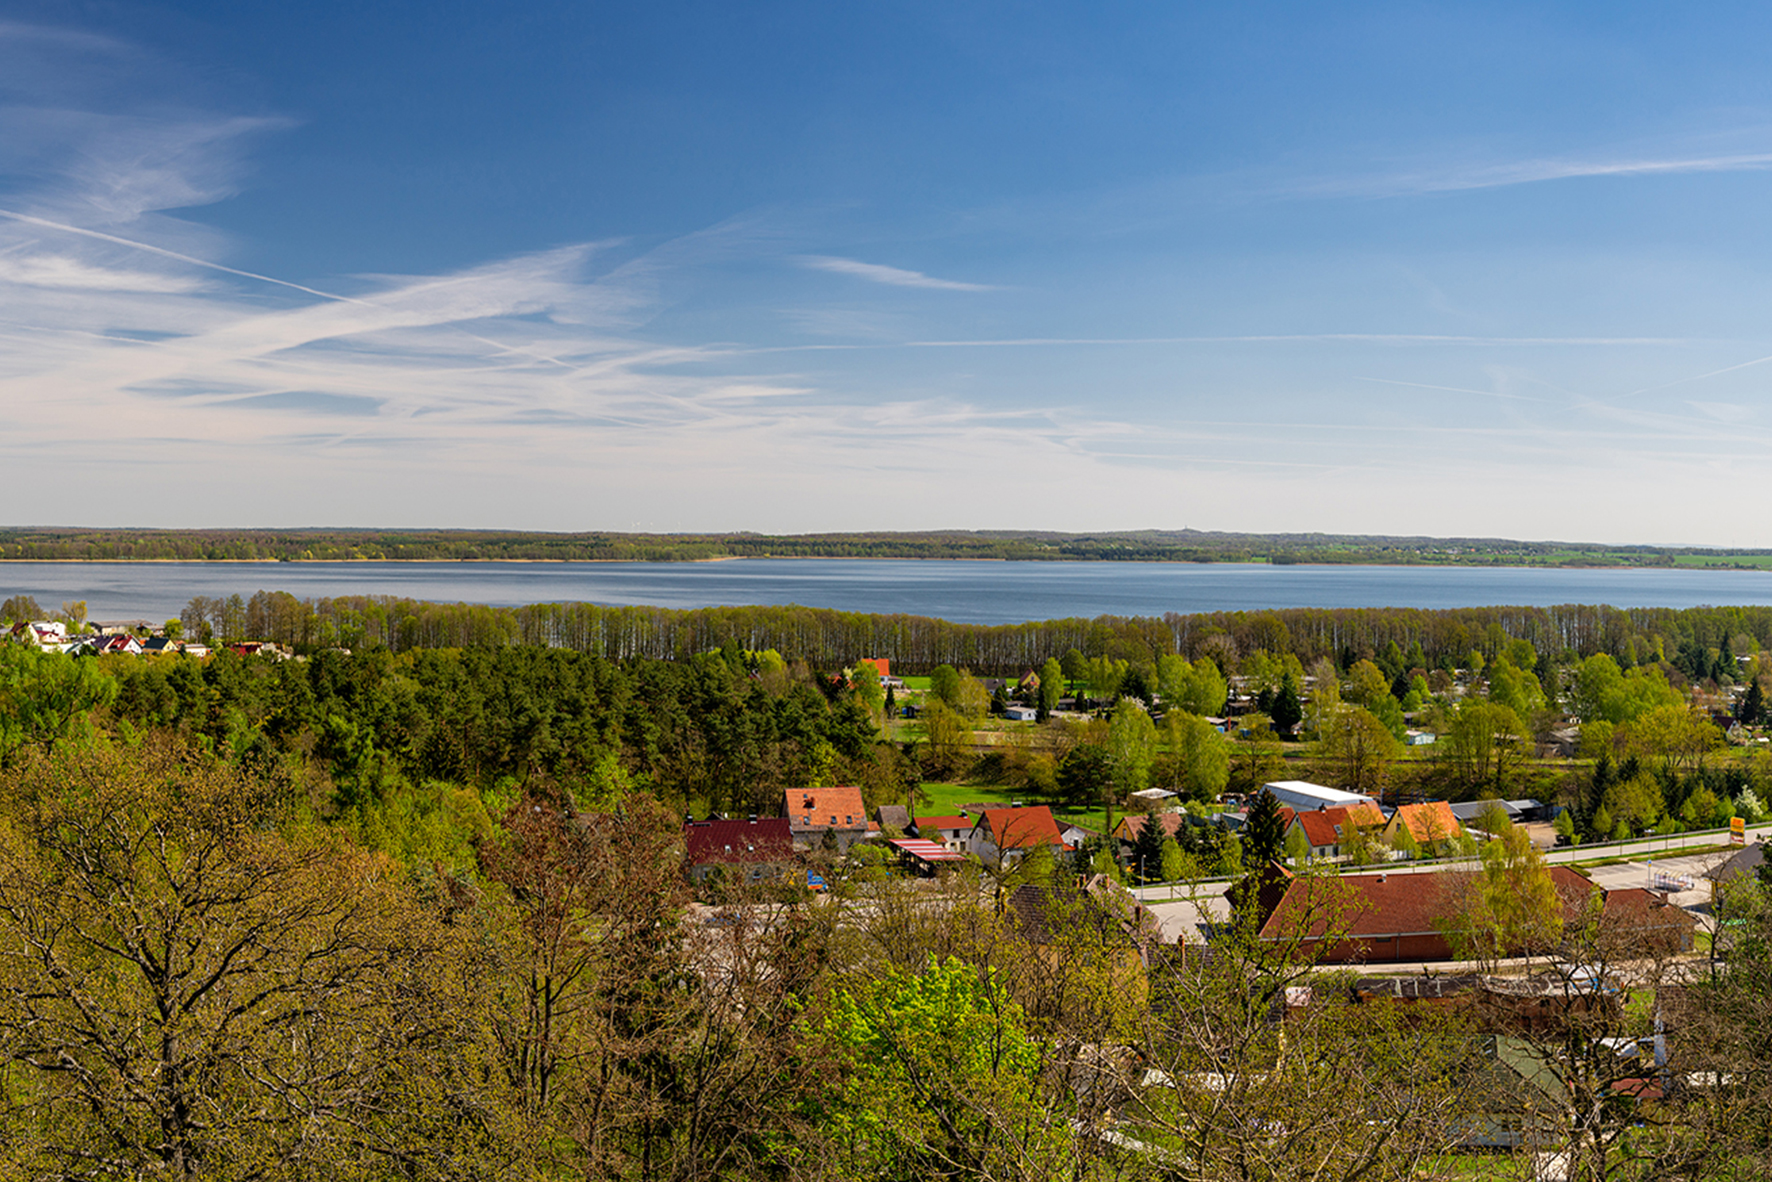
x=825 y=638
x=50 y=544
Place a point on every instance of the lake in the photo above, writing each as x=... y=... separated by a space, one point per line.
x=971 y=592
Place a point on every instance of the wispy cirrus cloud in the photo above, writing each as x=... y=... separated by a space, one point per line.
x=890 y=276
x=1441 y=177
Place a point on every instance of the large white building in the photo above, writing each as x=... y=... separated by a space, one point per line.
x=1303 y=796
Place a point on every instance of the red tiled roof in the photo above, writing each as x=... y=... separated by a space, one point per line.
x=1361 y=905
x=823 y=808
x=765 y=840
x=1132 y=825
x=926 y=824
x=1022 y=828
x=1377 y=906
x=1332 y=826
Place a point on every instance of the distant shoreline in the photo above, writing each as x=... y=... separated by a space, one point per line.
x=1491 y=563
x=1184 y=546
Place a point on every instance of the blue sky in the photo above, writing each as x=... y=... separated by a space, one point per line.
x=1455 y=270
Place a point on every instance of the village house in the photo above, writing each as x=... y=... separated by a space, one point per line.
x=952 y=833
x=1006 y=835
x=1431 y=823
x=1098 y=911
x=1132 y=824
x=1374 y=918
x=1330 y=831
x=755 y=850
x=815 y=813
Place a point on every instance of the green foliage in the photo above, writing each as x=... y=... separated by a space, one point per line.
x=1202 y=758
x=20 y=609
x=1510 y=907
x=1131 y=742
x=1195 y=687
x=46 y=699
x=938 y=1076
x=1264 y=835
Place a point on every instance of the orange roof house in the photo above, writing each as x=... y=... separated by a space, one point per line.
x=1169 y=824
x=1431 y=823
x=813 y=812
x=1328 y=829
x=1002 y=833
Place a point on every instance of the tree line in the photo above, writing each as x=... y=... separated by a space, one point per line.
x=328 y=545
x=1697 y=640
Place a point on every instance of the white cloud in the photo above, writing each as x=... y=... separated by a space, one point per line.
x=891 y=276
x=58 y=270
x=1463 y=175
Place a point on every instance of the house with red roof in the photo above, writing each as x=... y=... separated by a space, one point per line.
x=1329 y=830
x=814 y=813
x=1003 y=835
x=1371 y=918
x=757 y=850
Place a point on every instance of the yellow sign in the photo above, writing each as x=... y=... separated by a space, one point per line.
x=1737 y=831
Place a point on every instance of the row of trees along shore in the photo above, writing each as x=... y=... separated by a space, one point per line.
x=1442 y=638
x=336 y=545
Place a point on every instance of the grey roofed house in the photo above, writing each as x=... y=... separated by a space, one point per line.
x=1468 y=811
x=893 y=816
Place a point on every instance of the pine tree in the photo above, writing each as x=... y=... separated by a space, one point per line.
x=1287 y=711
x=1264 y=837
x=1147 y=851
x=1753 y=705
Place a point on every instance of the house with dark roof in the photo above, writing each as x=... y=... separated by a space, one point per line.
x=757 y=850
x=814 y=813
x=1098 y=910
x=893 y=816
x=1745 y=864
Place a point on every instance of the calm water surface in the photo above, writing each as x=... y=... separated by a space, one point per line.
x=973 y=592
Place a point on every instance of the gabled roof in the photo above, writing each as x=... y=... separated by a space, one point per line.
x=1374 y=906
x=1132 y=824
x=1431 y=820
x=1747 y=862
x=767 y=839
x=1361 y=905
x=895 y=815
x=1022 y=828
x=1325 y=827
x=825 y=808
